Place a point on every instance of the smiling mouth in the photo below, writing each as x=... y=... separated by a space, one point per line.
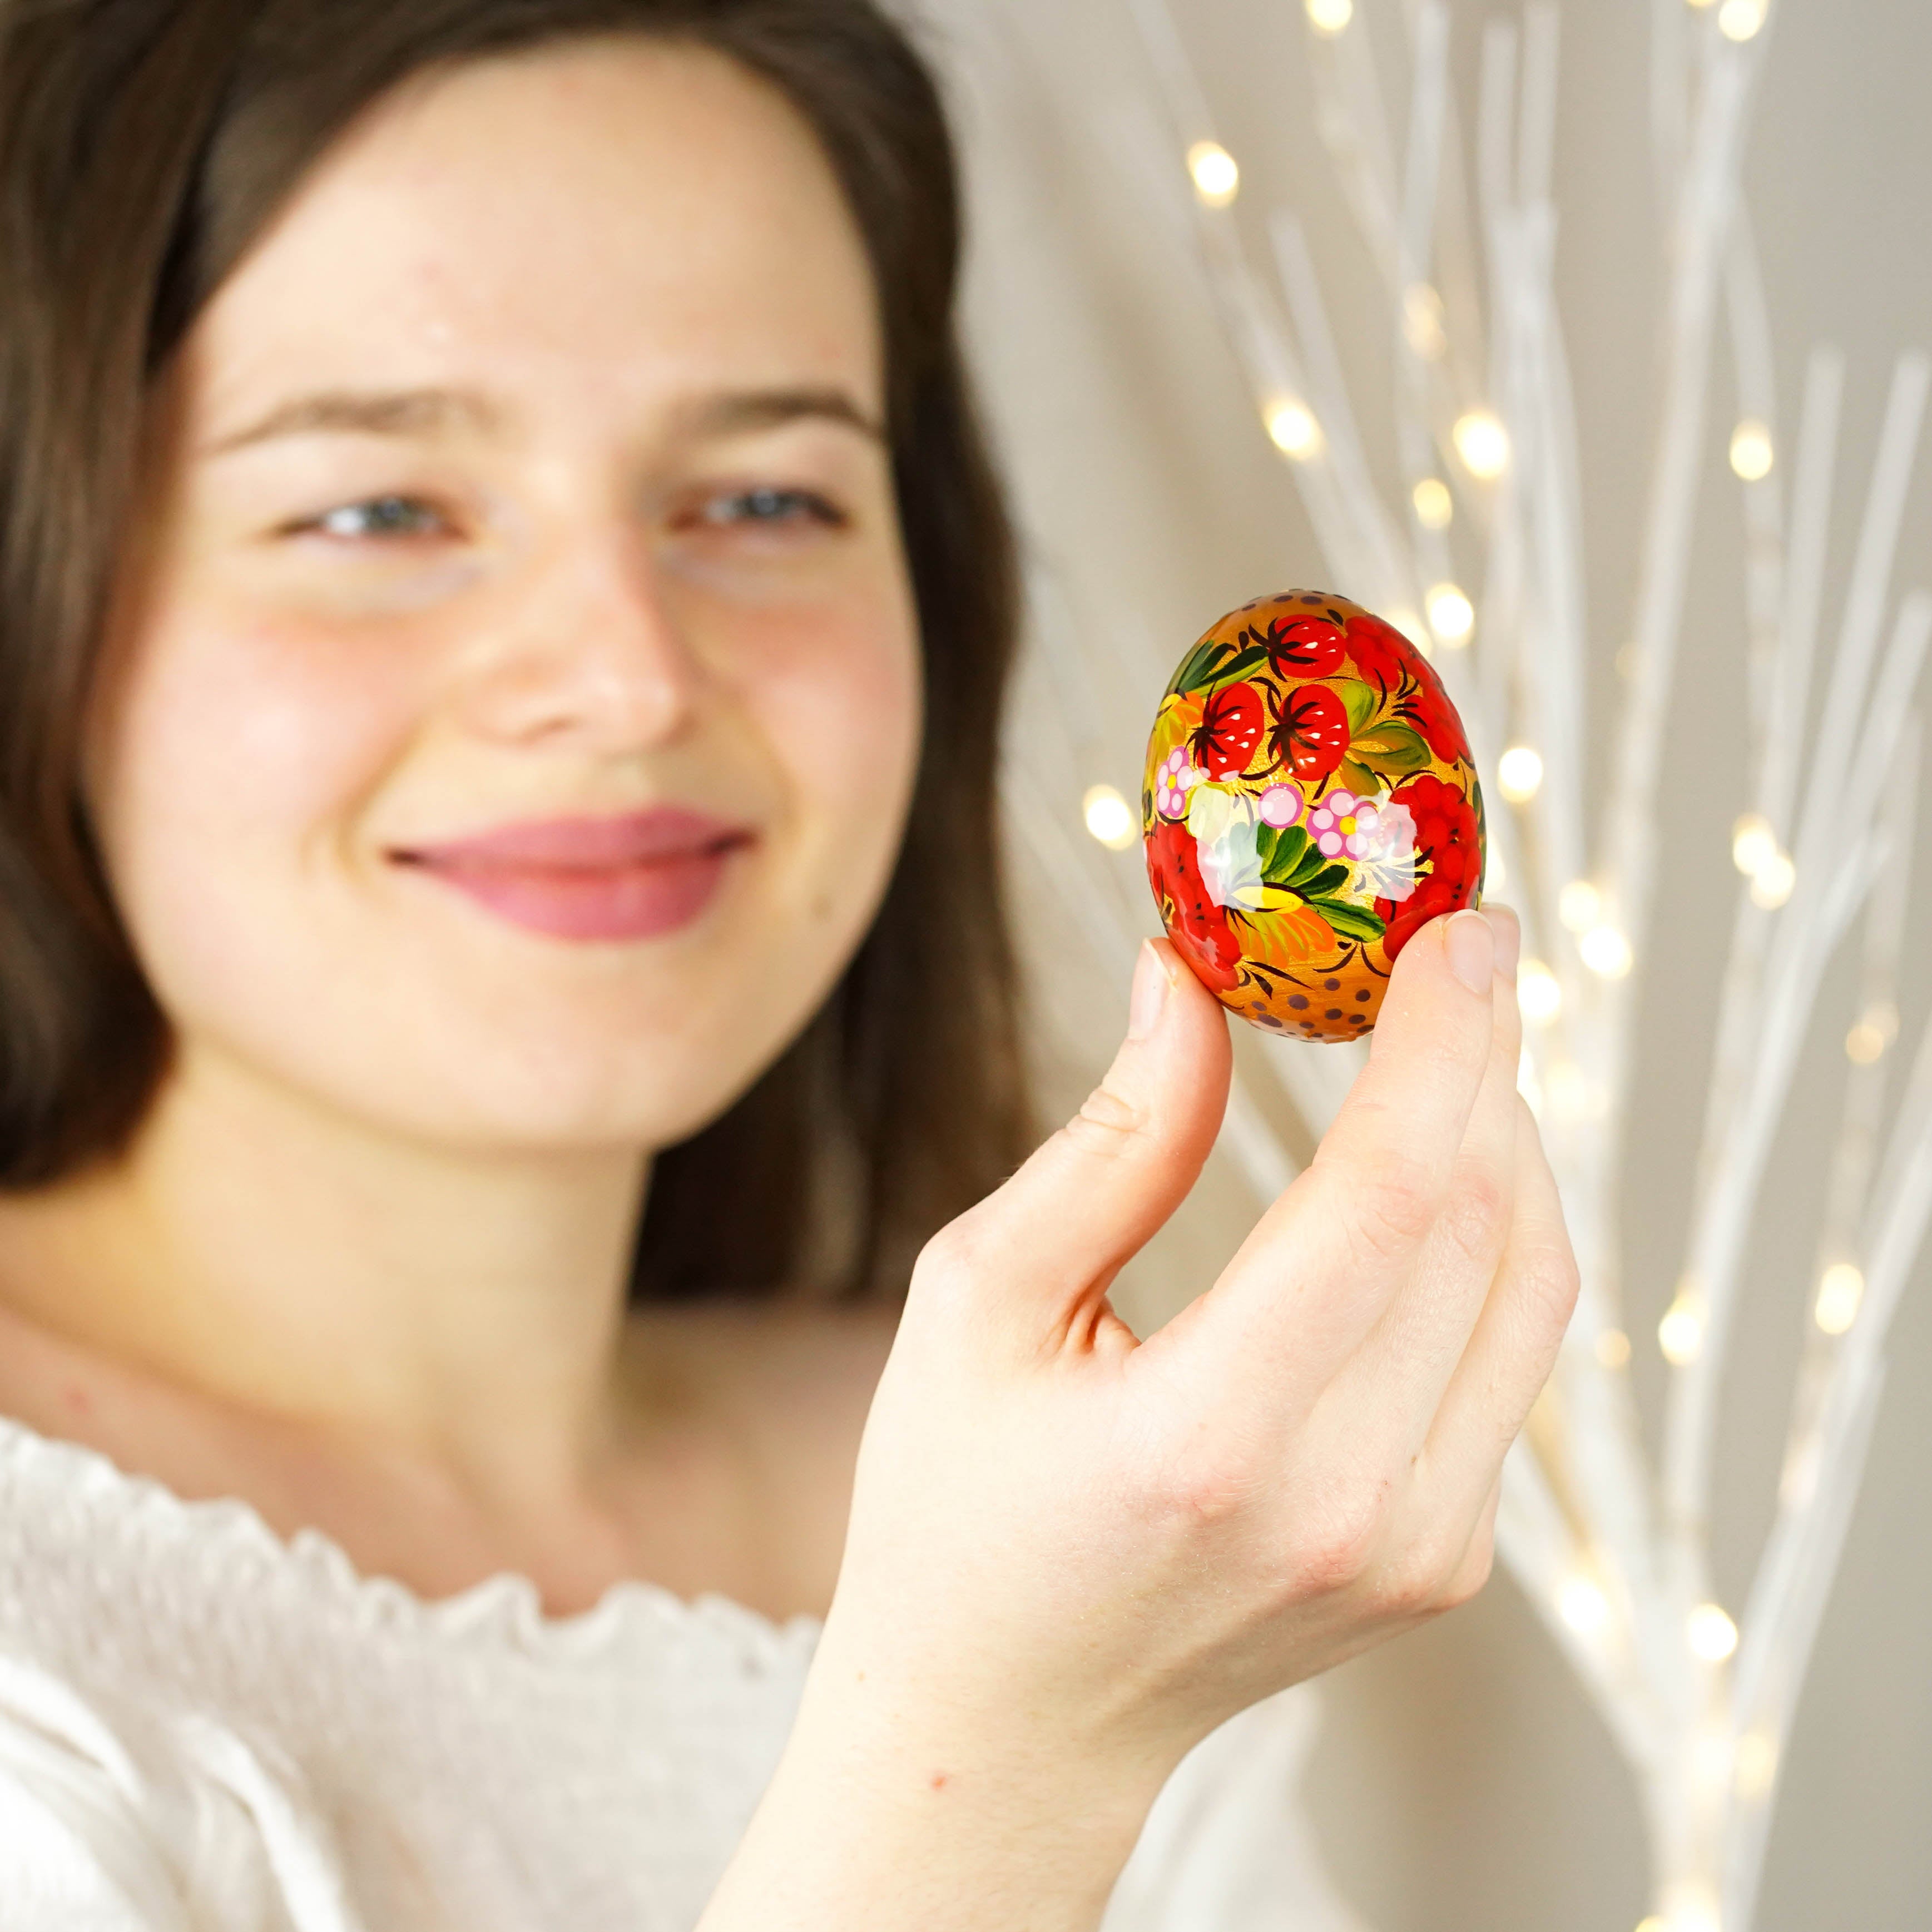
x=639 y=877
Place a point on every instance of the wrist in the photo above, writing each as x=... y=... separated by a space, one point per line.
x=901 y=1802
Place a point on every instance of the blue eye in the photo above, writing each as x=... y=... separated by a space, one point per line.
x=377 y=517
x=769 y=505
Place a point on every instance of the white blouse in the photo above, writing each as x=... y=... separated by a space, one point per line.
x=206 y=1729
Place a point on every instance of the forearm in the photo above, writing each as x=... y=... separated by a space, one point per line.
x=890 y=1814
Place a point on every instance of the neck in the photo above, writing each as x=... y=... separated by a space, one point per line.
x=256 y=1249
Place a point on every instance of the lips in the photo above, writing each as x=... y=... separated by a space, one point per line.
x=636 y=877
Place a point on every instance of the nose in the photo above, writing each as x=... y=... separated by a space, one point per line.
x=587 y=656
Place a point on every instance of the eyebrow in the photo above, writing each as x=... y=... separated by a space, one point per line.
x=432 y=412
x=368 y=413
x=740 y=410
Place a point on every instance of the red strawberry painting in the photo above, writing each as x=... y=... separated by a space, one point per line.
x=1311 y=731
x=1232 y=720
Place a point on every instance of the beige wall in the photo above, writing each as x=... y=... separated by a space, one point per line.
x=1462 y=1782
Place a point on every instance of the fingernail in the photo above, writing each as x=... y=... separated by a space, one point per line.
x=1150 y=994
x=1508 y=929
x=1472 y=950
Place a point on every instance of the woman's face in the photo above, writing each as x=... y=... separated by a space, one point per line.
x=526 y=474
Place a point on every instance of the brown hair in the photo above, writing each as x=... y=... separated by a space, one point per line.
x=144 y=144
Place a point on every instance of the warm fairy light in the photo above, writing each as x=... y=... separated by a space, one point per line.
x=1756 y=1765
x=1330 y=16
x=1495 y=874
x=1751 y=450
x=1292 y=428
x=1714 y=1760
x=1864 y=1044
x=1613 y=1348
x=1422 y=321
x=1519 y=773
x=1581 y=1604
x=1753 y=841
x=1689 y=1908
x=1680 y=1334
x=1482 y=443
x=1711 y=1634
x=1538 y=992
x=1108 y=816
x=1772 y=884
x=1451 y=615
x=1755 y=853
x=1606 y=952
x=1841 y=1288
x=1217 y=179
x=1740 y=19
x=1873 y=1031
x=1580 y=905
x=1435 y=508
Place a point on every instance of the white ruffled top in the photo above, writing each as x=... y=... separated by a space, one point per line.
x=204 y=1728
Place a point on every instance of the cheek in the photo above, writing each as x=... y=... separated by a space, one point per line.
x=230 y=746
x=840 y=705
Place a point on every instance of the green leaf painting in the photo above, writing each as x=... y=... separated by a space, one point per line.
x=1389 y=750
x=1281 y=853
x=1355 y=777
x=1361 y=701
x=1292 y=861
x=1350 y=922
x=1196 y=668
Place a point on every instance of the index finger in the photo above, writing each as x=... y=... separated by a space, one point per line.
x=1323 y=1263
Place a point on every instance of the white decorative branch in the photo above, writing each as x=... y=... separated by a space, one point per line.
x=1615 y=1557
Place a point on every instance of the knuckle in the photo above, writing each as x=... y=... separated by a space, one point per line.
x=1388 y=1216
x=1469 y=1577
x=1437 y=1572
x=1474 y=1217
x=1338 y=1549
x=1553 y=1281
x=1411 y=1586
x=951 y=1259
x=1212 y=1486
x=1108 y=1124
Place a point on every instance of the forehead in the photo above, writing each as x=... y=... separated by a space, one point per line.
x=615 y=220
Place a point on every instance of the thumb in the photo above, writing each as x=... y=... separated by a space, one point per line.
x=1053 y=1238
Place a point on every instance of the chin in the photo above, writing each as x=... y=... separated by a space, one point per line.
x=513 y=1042
x=503 y=1067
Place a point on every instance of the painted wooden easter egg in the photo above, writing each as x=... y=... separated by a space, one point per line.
x=1309 y=803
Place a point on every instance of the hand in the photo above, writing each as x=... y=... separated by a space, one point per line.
x=1073 y=1553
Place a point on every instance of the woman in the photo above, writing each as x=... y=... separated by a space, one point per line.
x=505 y=613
